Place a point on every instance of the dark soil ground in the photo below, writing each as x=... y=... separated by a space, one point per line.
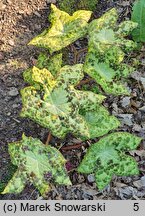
x=20 y=22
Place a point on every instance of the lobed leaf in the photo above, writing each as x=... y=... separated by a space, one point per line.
x=106 y=158
x=65 y=29
x=37 y=164
x=57 y=104
x=53 y=64
x=99 y=121
x=106 y=52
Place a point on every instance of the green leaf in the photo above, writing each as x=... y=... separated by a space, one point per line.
x=37 y=164
x=65 y=29
x=73 y=5
x=106 y=36
x=138 y=15
x=107 y=20
x=105 y=71
x=106 y=52
x=70 y=75
x=87 y=4
x=53 y=64
x=106 y=158
x=57 y=104
x=126 y=27
x=92 y=68
x=99 y=121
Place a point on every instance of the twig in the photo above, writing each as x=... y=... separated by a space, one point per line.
x=76 y=146
x=82 y=50
x=84 y=82
x=48 y=139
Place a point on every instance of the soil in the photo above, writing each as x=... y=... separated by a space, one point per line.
x=20 y=22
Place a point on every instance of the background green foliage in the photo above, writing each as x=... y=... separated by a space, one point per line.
x=138 y=15
x=73 y=5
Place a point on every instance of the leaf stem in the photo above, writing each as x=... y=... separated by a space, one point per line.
x=76 y=146
x=84 y=82
x=48 y=138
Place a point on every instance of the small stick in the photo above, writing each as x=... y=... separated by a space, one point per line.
x=48 y=139
x=78 y=54
x=82 y=50
x=76 y=146
x=84 y=82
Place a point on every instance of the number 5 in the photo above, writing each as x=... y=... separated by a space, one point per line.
x=136 y=207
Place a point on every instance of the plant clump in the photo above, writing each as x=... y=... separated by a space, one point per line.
x=54 y=101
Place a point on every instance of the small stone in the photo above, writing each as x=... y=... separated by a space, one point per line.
x=11 y=43
x=120 y=185
x=91 y=178
x=115 y=107
x=51 y=1
x=37 y=14
x=80 y=179
x=125 y=102
x=1 y=56
x=9 y=1
x=37 y=26
x=137 y=128
x=127 y=192
x=13 y=92
x=142 y=109
x=21 y=11
x=142 y=79
x=136 y=75
x=126 y=119
x=140 y=183
x=15 y=106
x=2 y=6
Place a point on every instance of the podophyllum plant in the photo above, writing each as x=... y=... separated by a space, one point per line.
x=57 y=105
x=106 y=51
x=53 y=101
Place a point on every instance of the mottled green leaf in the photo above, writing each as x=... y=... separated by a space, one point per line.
x=53 y=64
x=105 y=71
x=106 y=52
x=107 y=20
x=105 y=36
x=99 y=121
x=37 y=164
x=106 y=158
x=87 y=4
x=57 y=104
x=116 y=88
x=126 y=27
x=70 y=75
x=138 y=15
x=65 y=29
x=73 y=5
